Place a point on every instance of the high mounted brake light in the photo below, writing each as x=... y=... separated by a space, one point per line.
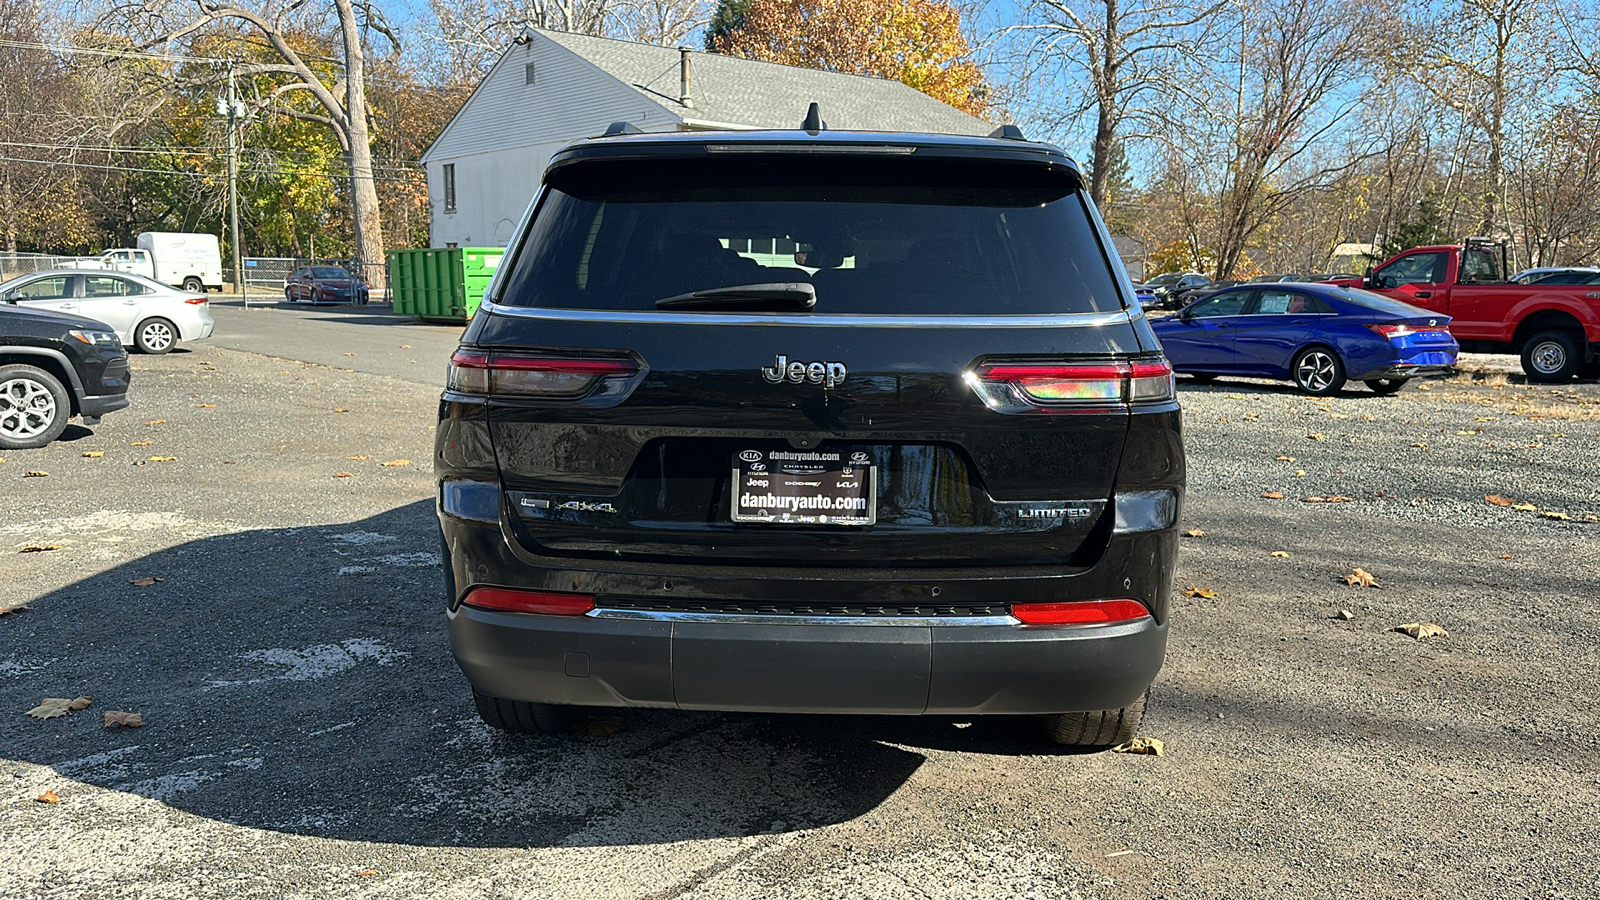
x=554 y=378
x=1064 y=387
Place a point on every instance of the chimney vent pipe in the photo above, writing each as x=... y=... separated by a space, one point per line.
x=684 y=82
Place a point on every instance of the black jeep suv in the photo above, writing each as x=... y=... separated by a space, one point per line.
x=811 y=421
x=54 y=366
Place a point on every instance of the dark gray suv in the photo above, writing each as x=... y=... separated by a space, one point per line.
x=811 y=421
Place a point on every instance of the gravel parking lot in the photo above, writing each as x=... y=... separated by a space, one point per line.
x=308 y=735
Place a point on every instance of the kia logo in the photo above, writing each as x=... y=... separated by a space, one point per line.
x=750 y=455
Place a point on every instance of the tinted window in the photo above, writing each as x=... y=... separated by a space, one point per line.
x=109 y=286
x=54 y=288
x=1230 y=303
x=912 y=237
x=329 y=272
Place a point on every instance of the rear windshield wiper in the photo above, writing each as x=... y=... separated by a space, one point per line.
x=777 y=295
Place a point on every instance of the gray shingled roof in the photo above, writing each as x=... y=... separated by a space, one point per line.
x=735 y=91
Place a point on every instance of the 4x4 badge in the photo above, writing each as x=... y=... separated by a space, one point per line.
x=827 y=374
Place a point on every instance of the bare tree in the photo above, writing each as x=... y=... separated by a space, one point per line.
x=341 y=99
x=1125 y=49
x=1278 y=134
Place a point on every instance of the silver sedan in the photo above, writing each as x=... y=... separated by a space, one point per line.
x=145 y=314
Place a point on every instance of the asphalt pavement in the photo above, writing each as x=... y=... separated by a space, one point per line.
x=248 y=558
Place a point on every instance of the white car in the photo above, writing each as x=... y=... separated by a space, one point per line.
x=145 y=314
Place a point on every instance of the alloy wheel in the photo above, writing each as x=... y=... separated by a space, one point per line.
x=157 y=336
x=27 y=408
x=1316 y=371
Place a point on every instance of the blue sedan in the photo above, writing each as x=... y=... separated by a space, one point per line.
x=1317 y=335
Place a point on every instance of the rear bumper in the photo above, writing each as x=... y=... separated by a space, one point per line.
x=779 y=666
x=778 y=663
x=1411 y=371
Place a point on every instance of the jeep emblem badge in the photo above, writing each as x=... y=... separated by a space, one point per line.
x=827 y=374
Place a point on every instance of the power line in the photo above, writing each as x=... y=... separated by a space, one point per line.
x=119 y=54
x=336 y=176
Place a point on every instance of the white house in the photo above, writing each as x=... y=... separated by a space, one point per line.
x=552 y=88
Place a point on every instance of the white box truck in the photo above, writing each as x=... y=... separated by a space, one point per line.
x=182 y=259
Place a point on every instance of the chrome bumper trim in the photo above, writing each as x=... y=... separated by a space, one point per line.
x=649 y=615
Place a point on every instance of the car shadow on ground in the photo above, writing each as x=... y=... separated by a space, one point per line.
x=299 y=680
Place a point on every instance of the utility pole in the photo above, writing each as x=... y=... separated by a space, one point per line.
x=233 y=108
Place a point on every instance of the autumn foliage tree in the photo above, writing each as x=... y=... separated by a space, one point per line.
x=918 y=42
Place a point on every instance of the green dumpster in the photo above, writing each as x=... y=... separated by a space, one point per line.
x=441 y=284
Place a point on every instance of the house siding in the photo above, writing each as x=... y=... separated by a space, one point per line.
x=505 y=134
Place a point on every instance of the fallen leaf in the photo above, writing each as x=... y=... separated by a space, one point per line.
x=1338 y=416
x=1286 y=459
x=140 y=443
x=364 y=873
x=349 y=354
x=341 y=410
x=1498 y=500
x=1299 y=473
x=1146 y=746
x=362 y=456
x=1559 y=516
x=52 y=707
x=1486 y=419
x=1525 y=507
x=1424 y=387
x=1421 y=630
x=1120 y=853
x=35 y=473
x=1344 y=615
x=396 y=462
x=344 y=475
x=1589 y=518
x=1280 y=554
x=1331 y=498
x=1205 y=593
x=14 y=606
x=405 y=346
x=1316 y=437
x=156 y=422
x=147 y=581
x=39 y=548
x=162 y=458
x=1194 y=533
x=205 y=406
x=93 y=454
x=115 y=718
x=601 y=726
x=1505 y=556
x=47 y=797
x=1360 y=577
x=1422 y=444
x=1470 y=431
x=1272 y=495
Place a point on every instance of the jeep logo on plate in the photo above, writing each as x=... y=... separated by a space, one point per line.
x=827 y=374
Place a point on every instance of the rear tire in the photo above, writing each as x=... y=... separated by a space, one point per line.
x=518 y=717
x=1098 y=729
x=34 y=407
x=1318 y=371
x=288 y=295
x=1385 y=385
x=155 y=336
x=1551 y=357
x=194 y=284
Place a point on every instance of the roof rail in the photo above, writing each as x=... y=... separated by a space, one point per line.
x=621 y=127
x=813 y=122
x=1008 y=132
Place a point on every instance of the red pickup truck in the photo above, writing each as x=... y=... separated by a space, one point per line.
x=1556 y=327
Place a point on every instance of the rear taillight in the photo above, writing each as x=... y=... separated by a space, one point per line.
x=1088 y=612
x=1393 y=331
x=544 y=603
x=1035 y=387
x=196 y=301
x=547 y=377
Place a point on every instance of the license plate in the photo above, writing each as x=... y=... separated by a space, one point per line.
x=805 y=487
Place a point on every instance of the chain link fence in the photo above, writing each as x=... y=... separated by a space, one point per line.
x=14 y=264
x=267 y=275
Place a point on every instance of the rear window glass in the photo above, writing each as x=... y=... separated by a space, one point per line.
x=872 y=236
